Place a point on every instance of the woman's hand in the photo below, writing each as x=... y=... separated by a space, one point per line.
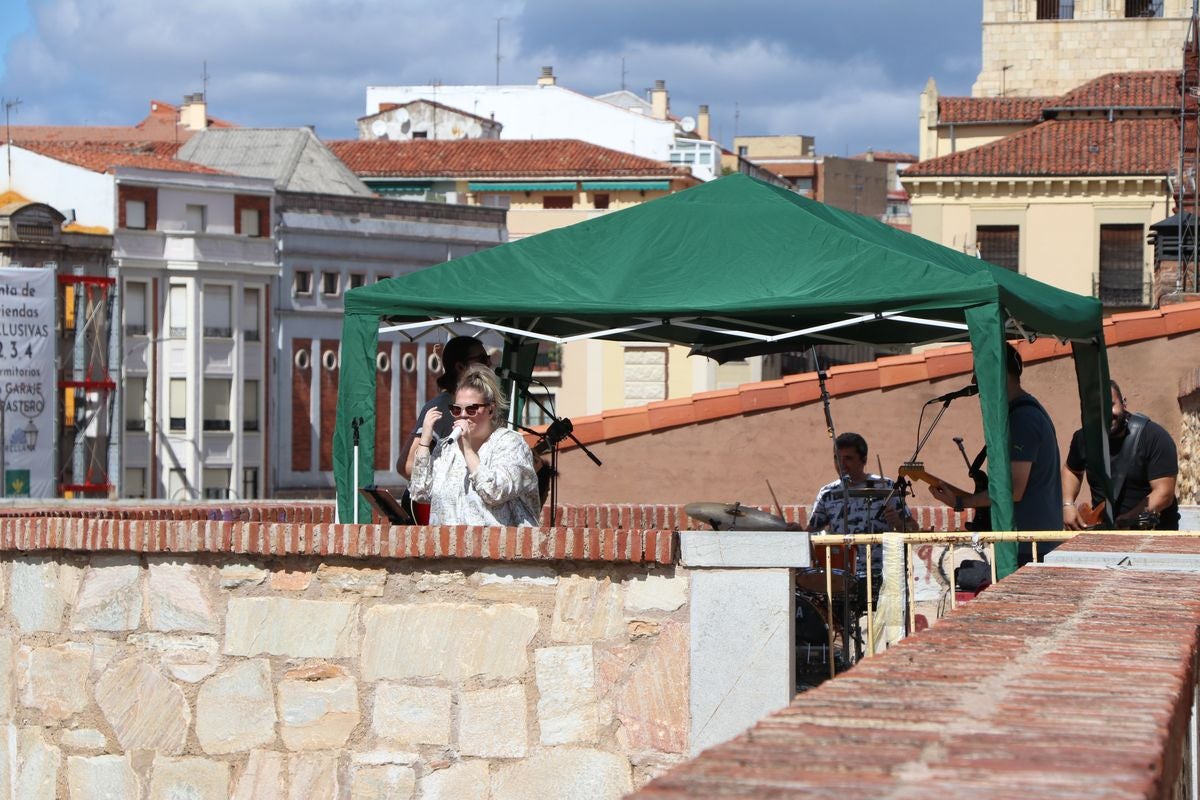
x=431 y=417
x=464 y=434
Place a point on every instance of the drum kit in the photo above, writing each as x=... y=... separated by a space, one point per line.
x=848 y=588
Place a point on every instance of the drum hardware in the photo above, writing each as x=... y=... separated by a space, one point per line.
x=734 y=516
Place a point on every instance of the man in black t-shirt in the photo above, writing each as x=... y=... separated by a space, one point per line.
x=1150 y=470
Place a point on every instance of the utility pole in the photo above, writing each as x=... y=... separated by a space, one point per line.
x=9 y=107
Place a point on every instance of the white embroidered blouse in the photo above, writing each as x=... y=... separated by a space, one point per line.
x=503 y=491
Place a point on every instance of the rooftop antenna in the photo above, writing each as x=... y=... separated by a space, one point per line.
x=623 y=73
x=1003 y=71
x=737 y=118
x=204 y=76
x=498 y=21
x=9 y=107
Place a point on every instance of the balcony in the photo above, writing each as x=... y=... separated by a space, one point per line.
x=199 y=247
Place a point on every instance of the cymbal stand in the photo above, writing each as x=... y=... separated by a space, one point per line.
x=837 y=465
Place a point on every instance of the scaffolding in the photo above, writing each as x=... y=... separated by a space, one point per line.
x=88 y=356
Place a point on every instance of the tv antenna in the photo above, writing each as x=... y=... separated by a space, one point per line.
x=9 y=107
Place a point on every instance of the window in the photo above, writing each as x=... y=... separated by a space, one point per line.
x=217 y=312
x=250 y=314
x=558 y=201
x=1056 y=9
x=135 y=404
x=250 y=483
x=1143 y=8
x=600 y=201
x=177 y=311
x=1121 y=278
x=1000 y=245
x=135 y=482
x=803 y=185
x=178 y=404
x=302 y=284
x=195 y=218
x=534 y=414
x=135 y=309
x=357 y=279
x=420 y=134
x=250 y=406
x=177 y=486
x=331 y=283
x=250 y=221
x=135 y=214
x=216 y=405
x=495 y=199
x=381 y=277
x=216 y=483
x=743 y=150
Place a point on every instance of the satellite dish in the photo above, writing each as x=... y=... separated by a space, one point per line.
x=379 y=128
x=687 y=124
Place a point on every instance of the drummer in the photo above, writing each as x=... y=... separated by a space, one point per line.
x=869 y=510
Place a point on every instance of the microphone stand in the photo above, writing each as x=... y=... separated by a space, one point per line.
x=837 y=465
x=354 y=426
x=560 y=428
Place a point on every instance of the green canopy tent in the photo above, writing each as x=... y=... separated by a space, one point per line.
x=731 y=268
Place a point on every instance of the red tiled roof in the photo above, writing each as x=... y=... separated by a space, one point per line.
x=960 y=110
x=509 y=158
x=1125 y=90
x=160 y=125
x=105 y=157
x=1068 y=147
x=892 y=371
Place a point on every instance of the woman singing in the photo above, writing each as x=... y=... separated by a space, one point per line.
x=481 y=474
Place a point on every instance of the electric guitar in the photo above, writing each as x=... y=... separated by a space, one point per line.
x=1091 y=516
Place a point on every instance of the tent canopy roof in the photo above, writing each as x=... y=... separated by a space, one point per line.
x=731 y=255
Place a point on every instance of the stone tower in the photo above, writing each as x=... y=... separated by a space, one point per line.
x=1048 y=47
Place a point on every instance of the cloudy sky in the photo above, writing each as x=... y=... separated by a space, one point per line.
x=846 y=71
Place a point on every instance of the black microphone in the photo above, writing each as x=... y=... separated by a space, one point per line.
x=970 y=390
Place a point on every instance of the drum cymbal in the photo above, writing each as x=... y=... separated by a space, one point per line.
x=734 y=516
x=872 y=492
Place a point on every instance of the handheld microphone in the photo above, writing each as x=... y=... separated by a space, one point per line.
x=969 y=390
x=455 y=435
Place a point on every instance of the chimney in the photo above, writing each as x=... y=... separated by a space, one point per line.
x=660 y=105
x=547 y=77
x=193 y=114
x=870 y=154
x=703 y=121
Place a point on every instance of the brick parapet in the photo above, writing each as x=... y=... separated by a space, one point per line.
x=616 y=533
x=92 y=534
x=1051 y=683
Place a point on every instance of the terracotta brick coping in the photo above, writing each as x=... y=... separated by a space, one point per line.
x=884 y=373
x=90 y=534
x=1056 y=682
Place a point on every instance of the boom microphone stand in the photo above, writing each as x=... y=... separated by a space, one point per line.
x=560 y=428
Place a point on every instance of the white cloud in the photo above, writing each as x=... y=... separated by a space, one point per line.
x=294 y=62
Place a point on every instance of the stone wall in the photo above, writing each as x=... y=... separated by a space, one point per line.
x=256 y=660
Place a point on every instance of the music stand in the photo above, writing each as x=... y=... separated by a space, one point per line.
x=386 y=504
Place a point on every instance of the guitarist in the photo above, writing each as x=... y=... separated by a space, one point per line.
x=1144 y=467
x=1034 y=459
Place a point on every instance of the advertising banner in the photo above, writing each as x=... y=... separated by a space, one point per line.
x=27 y=381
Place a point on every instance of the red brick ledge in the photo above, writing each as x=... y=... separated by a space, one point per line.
x=352 y=541
x=885 y=373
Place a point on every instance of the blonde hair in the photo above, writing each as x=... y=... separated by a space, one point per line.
x=482 y=379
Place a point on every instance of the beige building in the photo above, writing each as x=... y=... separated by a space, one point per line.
x=1068 y=197
x=1047 y=47
x=544 y=185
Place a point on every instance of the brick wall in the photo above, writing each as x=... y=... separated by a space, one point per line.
x=383 y=411
x=147 y=195
x=301 y=408
x=328 y=402
x=260 y=204
x=1053 y=683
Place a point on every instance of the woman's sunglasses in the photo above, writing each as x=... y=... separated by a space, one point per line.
x=468 y=411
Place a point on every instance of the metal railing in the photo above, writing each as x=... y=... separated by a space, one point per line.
x=978 y=540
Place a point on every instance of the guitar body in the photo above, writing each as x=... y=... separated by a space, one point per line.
x=1091 y=516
